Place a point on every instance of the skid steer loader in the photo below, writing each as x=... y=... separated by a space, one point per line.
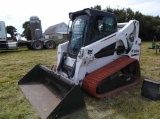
x=101 y=57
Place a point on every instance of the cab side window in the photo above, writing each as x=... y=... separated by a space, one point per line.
x=103 y=27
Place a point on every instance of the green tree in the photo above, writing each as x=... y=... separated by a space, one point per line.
x=97 y=7
x=27 y=32
x=129 y=14
x=12 y=31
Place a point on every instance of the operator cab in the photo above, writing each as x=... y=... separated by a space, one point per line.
x=89 y=26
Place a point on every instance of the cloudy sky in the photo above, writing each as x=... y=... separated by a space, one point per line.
x=50 y=12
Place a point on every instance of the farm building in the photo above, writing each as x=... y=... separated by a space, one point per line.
x=58 y=31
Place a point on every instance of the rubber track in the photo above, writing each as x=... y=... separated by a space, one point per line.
x=92 y=80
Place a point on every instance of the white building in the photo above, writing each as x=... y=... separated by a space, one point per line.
x=58 y=31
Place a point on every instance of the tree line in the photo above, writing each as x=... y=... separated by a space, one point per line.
x=26 y=32
x=149 y=25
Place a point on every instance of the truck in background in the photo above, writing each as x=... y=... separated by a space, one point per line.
x=4 y=44
x=38 y=42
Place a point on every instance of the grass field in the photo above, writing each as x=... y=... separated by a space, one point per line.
x=125 y=105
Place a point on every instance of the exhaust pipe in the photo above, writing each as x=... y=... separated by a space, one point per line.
x=50 y=94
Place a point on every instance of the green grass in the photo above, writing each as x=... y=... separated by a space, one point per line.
x=128 y=104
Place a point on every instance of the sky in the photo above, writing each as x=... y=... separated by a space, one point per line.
x=51 y=12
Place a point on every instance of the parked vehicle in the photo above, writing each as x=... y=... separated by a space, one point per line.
x=101 y=56
x=38 y=42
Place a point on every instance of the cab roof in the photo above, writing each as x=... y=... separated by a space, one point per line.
x=90 y=12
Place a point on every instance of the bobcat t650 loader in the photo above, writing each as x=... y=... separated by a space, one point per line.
x=101 y=57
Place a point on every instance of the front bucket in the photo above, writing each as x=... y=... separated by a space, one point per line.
x=50 y=94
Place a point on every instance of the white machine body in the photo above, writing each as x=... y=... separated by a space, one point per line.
x=126 y=36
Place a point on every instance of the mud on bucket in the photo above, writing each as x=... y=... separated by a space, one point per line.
x=50 y=94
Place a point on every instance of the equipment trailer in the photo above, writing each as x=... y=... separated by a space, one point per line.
x=101 y=56
x=37 y=43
